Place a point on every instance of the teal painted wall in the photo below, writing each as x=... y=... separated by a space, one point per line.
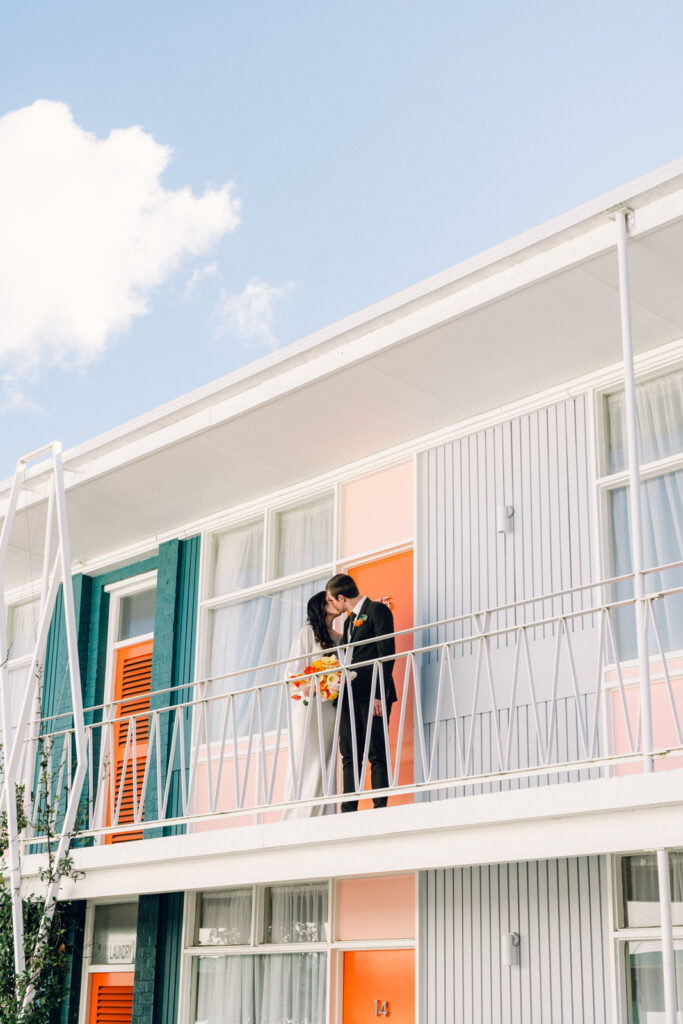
x=157 y=959
x=184 y=660
x=159 y=946
x=169 y=950
x=175 y=624
x=67 y=1013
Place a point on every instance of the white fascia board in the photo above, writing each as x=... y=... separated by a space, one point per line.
x=504 y=269
x=605 y=816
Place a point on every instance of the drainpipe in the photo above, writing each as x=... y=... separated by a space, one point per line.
x=623 y=219
x=667 y=937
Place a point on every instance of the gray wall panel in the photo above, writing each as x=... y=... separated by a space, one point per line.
x=560 y=910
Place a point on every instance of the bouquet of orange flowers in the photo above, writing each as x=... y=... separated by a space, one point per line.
x=329 y=679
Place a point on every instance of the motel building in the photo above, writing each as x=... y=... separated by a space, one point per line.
x=513 y=491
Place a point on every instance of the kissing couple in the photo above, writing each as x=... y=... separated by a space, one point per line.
x=366 y=627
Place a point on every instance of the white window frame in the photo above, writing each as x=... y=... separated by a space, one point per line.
x=88 y=968
x=622 y=934
x=269 y=585
x=24 y=660
x=333 y=947
x=608 y=482
x=117 y=591
x=605 y=483
x=256 y=946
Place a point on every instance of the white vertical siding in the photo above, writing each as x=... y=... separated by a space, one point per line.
x=539 y=464
x=560 y=910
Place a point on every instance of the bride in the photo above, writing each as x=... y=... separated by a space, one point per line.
x=312 y=640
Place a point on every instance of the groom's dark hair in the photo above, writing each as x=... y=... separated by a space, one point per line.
x=342 y=585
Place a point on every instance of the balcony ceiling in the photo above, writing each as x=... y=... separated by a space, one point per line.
x=530 y=315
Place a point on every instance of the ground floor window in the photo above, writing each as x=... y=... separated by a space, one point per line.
x=638 y=935
x=267 y=988
x=259 y=954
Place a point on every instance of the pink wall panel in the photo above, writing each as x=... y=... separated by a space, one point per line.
x=376 y=908
x=663 y=724
x=377 y=510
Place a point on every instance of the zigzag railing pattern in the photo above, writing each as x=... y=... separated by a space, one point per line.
x=225 y=754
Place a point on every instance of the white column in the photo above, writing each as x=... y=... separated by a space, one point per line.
x=634 y=491
x=667 y=937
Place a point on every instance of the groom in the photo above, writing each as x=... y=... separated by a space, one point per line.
x=366 y=622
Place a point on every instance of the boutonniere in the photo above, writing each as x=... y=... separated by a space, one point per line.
x=359 y=621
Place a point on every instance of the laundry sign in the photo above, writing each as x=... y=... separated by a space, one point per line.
x=120 y=949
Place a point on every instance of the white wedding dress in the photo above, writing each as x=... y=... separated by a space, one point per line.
x=305 y=650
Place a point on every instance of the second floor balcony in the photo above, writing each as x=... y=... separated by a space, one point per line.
x=508 y=715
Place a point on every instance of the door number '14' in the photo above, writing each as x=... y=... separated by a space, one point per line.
x=381 y=1008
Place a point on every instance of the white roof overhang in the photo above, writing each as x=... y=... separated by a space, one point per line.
x=526 y=316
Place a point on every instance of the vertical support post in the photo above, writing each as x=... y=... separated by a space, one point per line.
x=667 y=937
x=9 y=791
x=634 y=490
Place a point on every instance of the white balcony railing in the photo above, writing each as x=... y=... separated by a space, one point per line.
x=497 y=699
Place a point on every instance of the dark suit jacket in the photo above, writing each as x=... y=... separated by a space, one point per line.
x=378 y=622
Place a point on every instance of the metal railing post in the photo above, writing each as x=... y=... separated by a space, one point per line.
x=667 y=937
x=634 y=490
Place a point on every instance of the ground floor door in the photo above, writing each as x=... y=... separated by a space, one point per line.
x=379 y=984
x=111 y=997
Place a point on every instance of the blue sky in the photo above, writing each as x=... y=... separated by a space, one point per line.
x=369 y=144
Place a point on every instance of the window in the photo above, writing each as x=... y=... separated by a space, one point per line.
x=260 y=575
x=638 y=934
x=136 y=614
x=260 y=955
x=114 y=933
x=659 y=405
x=22 y=627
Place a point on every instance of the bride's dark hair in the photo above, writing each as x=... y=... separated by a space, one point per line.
x=316 y=619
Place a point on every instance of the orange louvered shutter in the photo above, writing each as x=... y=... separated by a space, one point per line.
x=111 y=998
x=132 y=687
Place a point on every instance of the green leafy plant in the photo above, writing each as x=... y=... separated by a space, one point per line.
x=31 y=997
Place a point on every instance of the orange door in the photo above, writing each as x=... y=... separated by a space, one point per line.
x=132 y=685
x=391 y=580
x=379 y=984
x=111 y=998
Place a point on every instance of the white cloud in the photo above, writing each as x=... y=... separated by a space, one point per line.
x=87 y=232
x=250 y=314
x=197 y=275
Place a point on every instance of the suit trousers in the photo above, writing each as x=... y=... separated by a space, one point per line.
x=377 y=757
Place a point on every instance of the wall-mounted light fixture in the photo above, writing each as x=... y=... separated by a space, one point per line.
x=504 y=518
x=510 y=949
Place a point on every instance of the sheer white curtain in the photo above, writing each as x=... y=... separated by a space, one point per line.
x=255 y=632
x=272 y=989
x=660 y=424
x=659 y=405
x=298 y=913
x=225 y=918
x=16 y=683
x=237 y=558
x=662 y=504
x=261 y=630
x=225 y=990
x=22 y=624
x=291 y=987
x=304 y=536
x=22 y=627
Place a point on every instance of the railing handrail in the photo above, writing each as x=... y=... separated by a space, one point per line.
x=342 y=650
